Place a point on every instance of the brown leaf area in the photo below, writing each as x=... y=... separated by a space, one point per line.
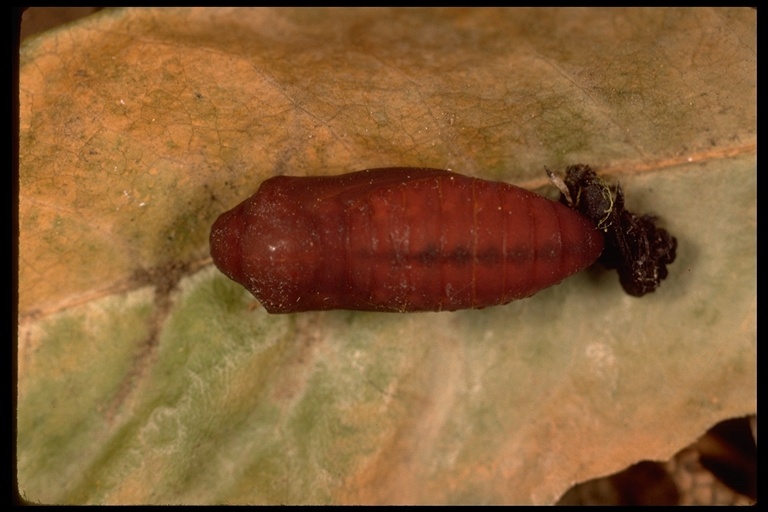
x=140 y=126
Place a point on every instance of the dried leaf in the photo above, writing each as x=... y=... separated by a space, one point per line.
x=145 y=376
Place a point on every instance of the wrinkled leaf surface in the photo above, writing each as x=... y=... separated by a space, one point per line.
x=145 y=376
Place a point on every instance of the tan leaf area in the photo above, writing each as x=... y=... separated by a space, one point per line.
x=145 y=376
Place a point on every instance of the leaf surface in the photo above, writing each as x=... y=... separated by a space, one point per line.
x=145 y=376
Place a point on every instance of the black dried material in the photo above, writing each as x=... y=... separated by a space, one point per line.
x=638 y=249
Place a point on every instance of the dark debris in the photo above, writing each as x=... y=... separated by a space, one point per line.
x=638 y=249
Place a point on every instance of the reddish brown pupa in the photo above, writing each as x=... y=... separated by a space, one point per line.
x=398 y=239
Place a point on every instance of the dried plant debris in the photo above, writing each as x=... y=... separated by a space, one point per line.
x=720 y=468
x=638 y=249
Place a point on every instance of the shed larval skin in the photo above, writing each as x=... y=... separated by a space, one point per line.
x=398 y=239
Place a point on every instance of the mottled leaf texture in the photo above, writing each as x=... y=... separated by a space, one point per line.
x=145 y=376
